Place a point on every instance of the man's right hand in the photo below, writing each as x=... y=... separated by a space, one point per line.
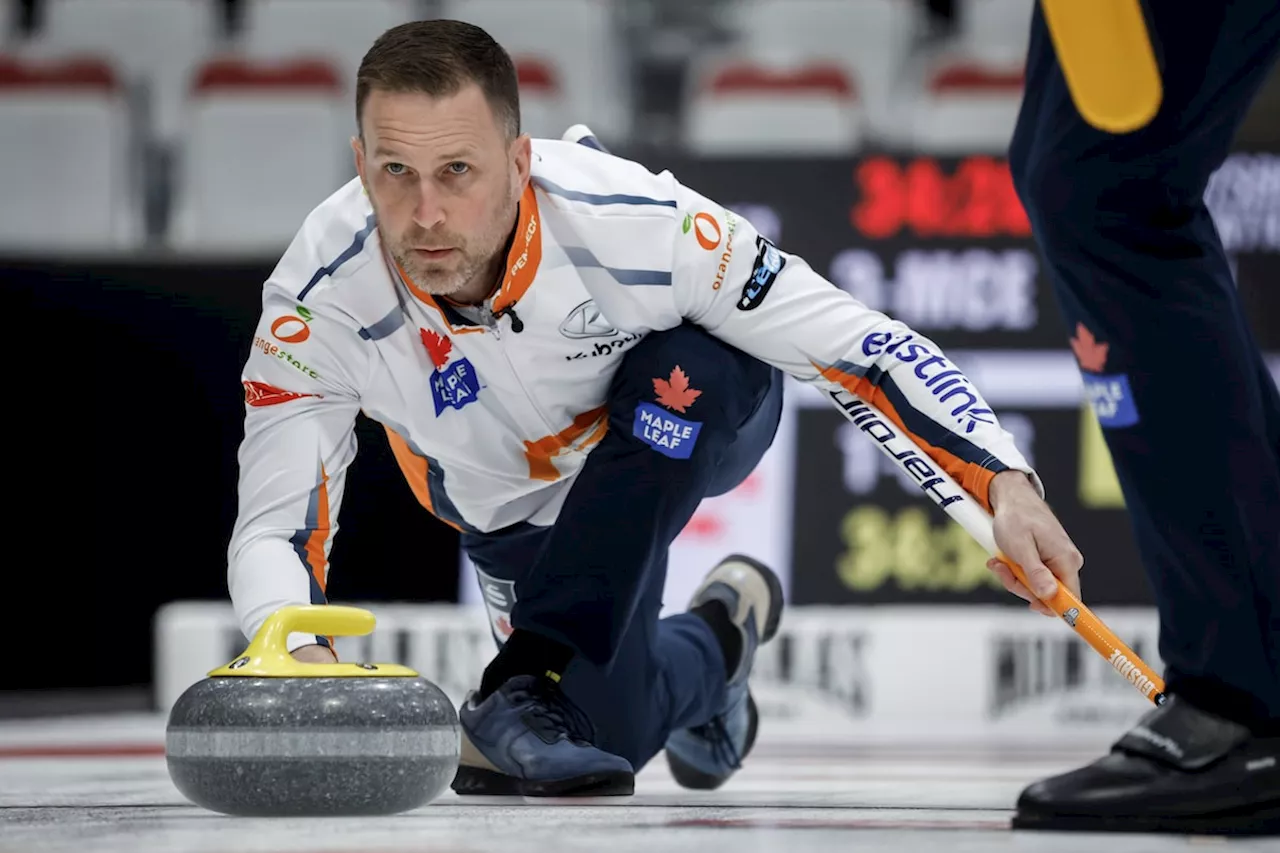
x=1029 y=533
x=315 y=653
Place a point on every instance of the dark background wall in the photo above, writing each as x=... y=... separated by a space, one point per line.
x=124 y=415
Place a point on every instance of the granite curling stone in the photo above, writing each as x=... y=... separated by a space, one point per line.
x=268 y=736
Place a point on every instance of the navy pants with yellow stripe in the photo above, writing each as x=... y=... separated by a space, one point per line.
x=594 y=580
x=1189 y=410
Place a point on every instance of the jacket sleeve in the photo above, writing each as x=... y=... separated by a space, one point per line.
x=771 y=304
x=301 y=384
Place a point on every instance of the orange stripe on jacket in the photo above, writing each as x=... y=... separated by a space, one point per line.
x=316 y=559
x=415 y=470
x=973 y=478
x=525 y=255
x=539 y=453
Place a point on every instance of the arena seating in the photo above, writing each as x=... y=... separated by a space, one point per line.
x=211 y=102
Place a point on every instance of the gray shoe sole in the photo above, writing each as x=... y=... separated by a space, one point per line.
x=479 y=782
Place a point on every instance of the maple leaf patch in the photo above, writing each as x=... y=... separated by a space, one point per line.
x=1090 y=353
x=675 y=393
x=438 y=347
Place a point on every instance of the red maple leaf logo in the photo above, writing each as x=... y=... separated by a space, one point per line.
x=438 y=347
x=260 y=394
x=1091 y=354
x=504 y=627
x=675 y=393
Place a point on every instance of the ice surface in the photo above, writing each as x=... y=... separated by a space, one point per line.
x=796 y=794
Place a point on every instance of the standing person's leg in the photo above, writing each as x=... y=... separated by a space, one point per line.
x=586 y=593
x=1188 y=410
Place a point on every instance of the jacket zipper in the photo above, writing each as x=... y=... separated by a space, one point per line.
x=494 y=324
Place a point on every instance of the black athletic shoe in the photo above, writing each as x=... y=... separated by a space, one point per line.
x=1179 y=770
x=529 y=735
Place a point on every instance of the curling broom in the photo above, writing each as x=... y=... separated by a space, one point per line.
x=969 y=514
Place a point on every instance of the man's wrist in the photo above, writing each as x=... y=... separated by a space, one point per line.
x=315 y=653
x=1009 y=482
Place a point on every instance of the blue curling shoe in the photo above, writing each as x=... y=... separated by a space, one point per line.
x=528 y=738
x=704 y=757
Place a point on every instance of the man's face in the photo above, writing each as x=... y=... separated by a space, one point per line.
x=444 y=182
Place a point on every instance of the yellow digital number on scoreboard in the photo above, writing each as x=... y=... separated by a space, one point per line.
x=910 y=549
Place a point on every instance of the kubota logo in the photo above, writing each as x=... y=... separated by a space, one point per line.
x=705 y=228
x=290 y=329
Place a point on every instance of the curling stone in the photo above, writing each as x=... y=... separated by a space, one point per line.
x=267 y=735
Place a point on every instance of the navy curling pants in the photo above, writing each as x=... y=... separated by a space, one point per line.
x=1189 y=411
x=594 y=580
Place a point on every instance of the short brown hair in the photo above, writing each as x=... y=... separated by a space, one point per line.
x=438 y=58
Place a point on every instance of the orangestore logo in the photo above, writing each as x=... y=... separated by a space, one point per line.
x=727 y=255
x=292 y=329
x=705 y=228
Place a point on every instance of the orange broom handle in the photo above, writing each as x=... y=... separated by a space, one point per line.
x=969 y=514
x=1096 y=633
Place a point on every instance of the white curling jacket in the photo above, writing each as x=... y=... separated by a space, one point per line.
x=490 y=425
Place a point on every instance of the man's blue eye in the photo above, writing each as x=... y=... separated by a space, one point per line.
x=458 y=168
x=395 y=168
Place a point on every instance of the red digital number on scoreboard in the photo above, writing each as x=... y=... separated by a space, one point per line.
x=976 y=200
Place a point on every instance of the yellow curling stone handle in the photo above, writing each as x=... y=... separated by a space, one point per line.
x=267 y=656
x=1105 y=52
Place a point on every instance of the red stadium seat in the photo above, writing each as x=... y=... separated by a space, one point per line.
x=155 y=46
x=744 y=107
x=266 y=142
x=65 y=169
x=967 y=108
x=73 y=74
x=867 y=38
x=341 y=30
x=971 y=91
x=967 y=80
x=238 y=74
x=578 y=40
x=543 y=111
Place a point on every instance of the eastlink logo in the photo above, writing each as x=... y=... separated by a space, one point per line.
x=947 y=383
x=1131 y=673
x=868 y=419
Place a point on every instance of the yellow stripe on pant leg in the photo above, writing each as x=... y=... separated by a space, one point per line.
x=1106 y=56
